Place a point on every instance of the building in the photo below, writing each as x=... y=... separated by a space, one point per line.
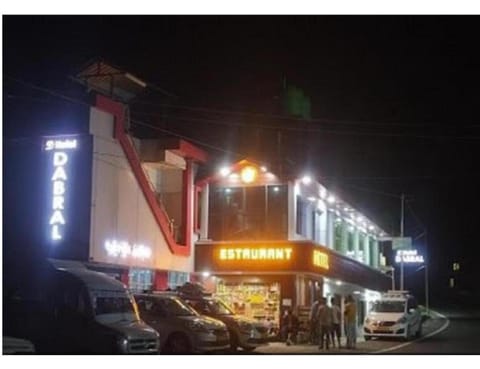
x=269 y=243
x=137 y=209
x=117 y=203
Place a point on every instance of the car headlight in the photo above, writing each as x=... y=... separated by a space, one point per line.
x=122 y=344
x=402 y=320
x=197 y=327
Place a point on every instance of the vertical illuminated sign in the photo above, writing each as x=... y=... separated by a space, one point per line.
x=60 y=149
x=320 y=259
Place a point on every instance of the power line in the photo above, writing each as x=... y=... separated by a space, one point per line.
x=205 y=144
x=284 y=117
x=48 y=91
x=76 y=101
x=371 y=191
x=314 y=130
x=299 y=129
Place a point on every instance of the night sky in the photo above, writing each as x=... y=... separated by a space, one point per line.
x=394 y=102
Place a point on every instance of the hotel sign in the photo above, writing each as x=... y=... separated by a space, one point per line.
x=409 y=256
x=60 y=149
x=320 y=259
x=255 y=254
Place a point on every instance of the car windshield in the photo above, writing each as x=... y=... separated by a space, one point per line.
x=174 y=306
x=389 y=306
x=219 y=307
x=113 y=307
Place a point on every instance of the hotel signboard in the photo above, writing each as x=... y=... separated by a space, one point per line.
x=284 y=257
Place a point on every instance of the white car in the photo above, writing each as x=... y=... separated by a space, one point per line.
x=396 y=314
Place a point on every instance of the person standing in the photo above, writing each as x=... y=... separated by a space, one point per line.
x=313 y=320
x=351 y=322
x=337 y=316
x=325 y=321
x=290 y=327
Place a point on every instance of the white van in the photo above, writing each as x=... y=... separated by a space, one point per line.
x=395 y=314
x=78 y=311
x=96 y=314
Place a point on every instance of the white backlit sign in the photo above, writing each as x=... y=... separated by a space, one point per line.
x=124 y=249
x=60 y=144
x=409 y=256
x=59 y=180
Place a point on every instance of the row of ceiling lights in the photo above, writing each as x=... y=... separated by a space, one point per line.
x=248 y=174
x=307 y=180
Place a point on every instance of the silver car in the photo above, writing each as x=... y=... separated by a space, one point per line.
x=181 y=328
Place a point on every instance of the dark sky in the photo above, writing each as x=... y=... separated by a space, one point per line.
x=394 y=99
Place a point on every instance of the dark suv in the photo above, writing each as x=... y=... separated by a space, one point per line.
x=245 y=333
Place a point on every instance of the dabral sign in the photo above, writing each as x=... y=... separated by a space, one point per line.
x=60 y=150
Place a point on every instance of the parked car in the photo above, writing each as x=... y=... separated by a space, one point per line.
x=395 y=314
x=181 y=328
x=18 y=346
x=80 y=311
x=245 y=333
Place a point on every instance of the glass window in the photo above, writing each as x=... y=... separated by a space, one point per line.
x=389 y=306
x=277 y=212
x=254 y=212
x=172 y=306
x=140 y=279
x=112 y=305
x=338 y=234
x=301 y=216
x=316 y=225
x=177 y=279
x=350 y=240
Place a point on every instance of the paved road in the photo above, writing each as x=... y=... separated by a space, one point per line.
x=388 y=346
x=462 y=336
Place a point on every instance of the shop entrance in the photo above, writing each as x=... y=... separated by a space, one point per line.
x=258 y=301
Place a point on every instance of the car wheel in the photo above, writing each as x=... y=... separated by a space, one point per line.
x=248 y=348
x=367 y=338
x=419 y=331
x=178 y=343
x=234 y=341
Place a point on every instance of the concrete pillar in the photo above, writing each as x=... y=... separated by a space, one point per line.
x=356 y=243
x=331 y=229
x=366 y=250
x=375 y=254
x=204 y=212
x=344 y=241
x=292 y=210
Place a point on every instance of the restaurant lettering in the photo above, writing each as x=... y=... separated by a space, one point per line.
x=255 y=253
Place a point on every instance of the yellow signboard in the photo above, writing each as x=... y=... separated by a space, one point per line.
x=248 y=253
x=320 y=259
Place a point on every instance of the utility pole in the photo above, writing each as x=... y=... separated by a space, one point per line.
x=427 y=260
x=402 y=215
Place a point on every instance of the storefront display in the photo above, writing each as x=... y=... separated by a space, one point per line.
x=259 y=301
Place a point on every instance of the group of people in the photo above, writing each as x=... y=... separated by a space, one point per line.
x=325 y=323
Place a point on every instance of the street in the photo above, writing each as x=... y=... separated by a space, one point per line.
x=458 y=334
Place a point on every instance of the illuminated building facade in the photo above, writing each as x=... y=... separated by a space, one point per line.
x=104 y=197
x=269 y=243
